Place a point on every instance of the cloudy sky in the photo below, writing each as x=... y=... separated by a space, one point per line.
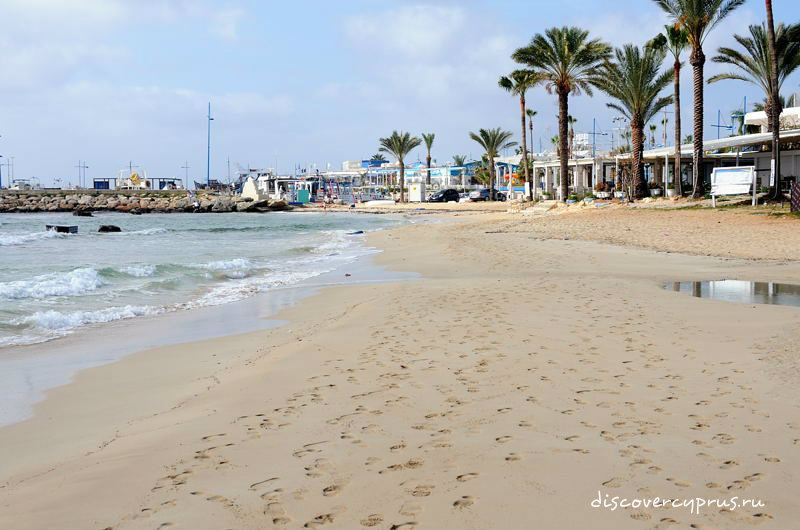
x=114 y=81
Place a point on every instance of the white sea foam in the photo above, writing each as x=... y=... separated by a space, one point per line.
x=140 y=271
x=58 y=321
x=144 y=232
x=74 y=282
x=20 y=239
x=236 y=264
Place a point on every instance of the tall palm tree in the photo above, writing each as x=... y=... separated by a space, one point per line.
x=461 y=161
x=775 y=96
x=531 y=114
x=493 y=141
x=571 y=122
x=428 y=139
x=399 y=144
x=675 y=40
x=698 y=18
x=566 y=58
x=754 y=64
x=652 y=128
x=518 y=83
x=635 y=80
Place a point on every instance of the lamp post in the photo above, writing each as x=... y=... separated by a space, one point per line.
x=208 y=154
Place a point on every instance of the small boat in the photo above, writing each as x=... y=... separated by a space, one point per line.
x=62 y=229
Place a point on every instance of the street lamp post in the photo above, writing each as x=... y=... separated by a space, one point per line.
x=208 y=154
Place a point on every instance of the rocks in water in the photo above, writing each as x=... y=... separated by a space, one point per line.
x=109 y=228
x=82 y=212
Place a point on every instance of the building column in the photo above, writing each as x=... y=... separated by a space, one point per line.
x=548 y=180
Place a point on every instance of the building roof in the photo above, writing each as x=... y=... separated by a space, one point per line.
x=722 y=143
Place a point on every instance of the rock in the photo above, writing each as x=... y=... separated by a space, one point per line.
x=81 y=212
x=278 y=206
x=109 y=228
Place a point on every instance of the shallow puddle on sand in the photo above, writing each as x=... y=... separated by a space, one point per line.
x=740 y=291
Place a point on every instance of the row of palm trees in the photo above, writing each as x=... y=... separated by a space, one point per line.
x=567 y=61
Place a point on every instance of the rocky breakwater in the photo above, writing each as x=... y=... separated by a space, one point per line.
x=132 y=203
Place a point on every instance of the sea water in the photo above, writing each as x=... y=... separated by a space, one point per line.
x=53 y=284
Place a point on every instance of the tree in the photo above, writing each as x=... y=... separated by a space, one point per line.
x=675 y=40
x=493 y=141
x=518 y=82
x=377 y=157
x=775 y=96
x=531 y=114
x=754 y=64
x=566 y=58
x=399 y=144
x=428 y=139
x=571 y=122
x=635 y=80
x=697 y=18
x=652 y=135
x=460 y=161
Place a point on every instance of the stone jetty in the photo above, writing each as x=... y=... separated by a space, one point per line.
x=131 y=202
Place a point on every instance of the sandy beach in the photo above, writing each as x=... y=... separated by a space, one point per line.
x=537 y=364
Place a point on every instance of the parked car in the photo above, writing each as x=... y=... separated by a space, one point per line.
x=483 y=195
x=444 y=196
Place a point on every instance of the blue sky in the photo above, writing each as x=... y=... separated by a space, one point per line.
x=113 y=81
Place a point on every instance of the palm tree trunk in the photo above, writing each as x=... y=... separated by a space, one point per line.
x=637 y=173
x=563 y=109
x=525 y=166
x=491 y=178
x=775 y=111
x=697 y=60
x=428 y=162
x=676 y=179
x=402 y=181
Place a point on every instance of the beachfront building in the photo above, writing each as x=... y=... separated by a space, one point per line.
x=743 y=150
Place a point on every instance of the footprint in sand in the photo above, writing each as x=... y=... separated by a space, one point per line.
x=333 y=489
x=513 y=457
x=410 y=509
x=679 y=483
x=502 y=439
x=372 y=520
x=422 y=490
x=723 y=438
x=464 y=502
x=404 y=526
x=319 y=520
x=467 y=476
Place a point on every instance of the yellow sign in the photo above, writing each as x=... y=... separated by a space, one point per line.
x=135 y=179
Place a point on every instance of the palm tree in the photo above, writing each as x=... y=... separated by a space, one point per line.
x=493 y=141
x=566 y=59
x=635 y=80
x=518 y=82
x=754 y=65
x=377 y=157
x=399 y=144
x=428 y=138
x=697 y=18
x=652 y=135
x=571 y=121
x=675 y=40
x=775 y=96
x=460 y=161
x=531 y=114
